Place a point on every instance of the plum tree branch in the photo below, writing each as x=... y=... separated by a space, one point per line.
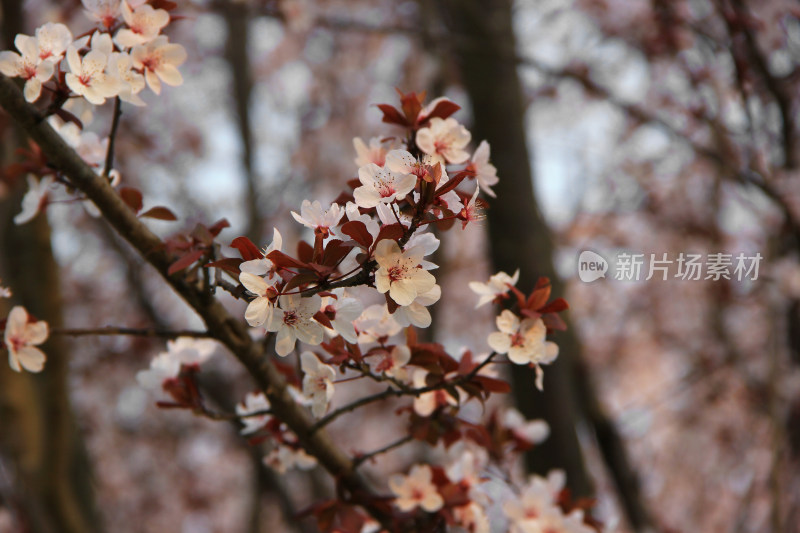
x=222 y=326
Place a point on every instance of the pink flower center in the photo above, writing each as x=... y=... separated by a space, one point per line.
x=16 y=343
x=290 y=318
x=417 y=494
x=386 y=190
x=517 y=339
x=29 y=71
x=440 y=146
x=396 y=273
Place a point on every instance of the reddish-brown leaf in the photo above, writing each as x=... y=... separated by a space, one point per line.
x=282 y=260
x=160 y=213
x=443 y=109
x=392 y=116
x=556 y=306
x=229 y=264
x=390 y=231
x=493 y=384
x=247 y=249
x=185 y=261
x=218 y=226
x=358 y=231
x=132 y=198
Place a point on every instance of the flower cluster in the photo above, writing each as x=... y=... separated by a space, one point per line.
x=22 y=335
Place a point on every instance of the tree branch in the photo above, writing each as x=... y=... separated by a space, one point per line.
x=222 y=326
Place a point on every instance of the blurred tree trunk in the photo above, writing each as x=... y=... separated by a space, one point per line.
x=38 y=431
x=518 y=235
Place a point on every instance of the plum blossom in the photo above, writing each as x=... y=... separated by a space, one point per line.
x=35 y=199
x=393 y=365
x=264 y=266
x=144 y=24
x=399 y=272
x=485 y=172
x=416 y=490
x=498 y=285
x=376 y=324
x=283 y=458
x=417 y=313
x=160 y=60
x=444 y=140
x=259 y=311
x=131 y=82
x=88 y=76
x=427 y=402
x=5 y=292
x=342 y=312
x=254 y=402
x=317 y=382
x=374 y=153
x=294 y=320
x=52 y=40
x=472 y=517
x=104 y=12
x=472 y=212
x=28 y=66
x=21 y=337
x=388 y=215
x=536 y=509
x=167 y=365
x=321 y=221
x=524 y=342
x=381 y=185
x=532 y=431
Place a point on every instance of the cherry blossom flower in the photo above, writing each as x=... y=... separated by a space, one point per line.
x=167 y=365
x=144 y=25
x=51 y=41
x=472 y=212
x=88 y=76
x=282 y=458
x=498 y=285
x=524 y=342
x=393 y=364
x=342 y=312
x=160 y=60
x=428 y=243
x=376 y=324
x=484 y=172
x=317 y=382
x=444 y=140
x=104 y=12
x=416 y=490
x=294 y=320
x=531 y=431
x=254 y=402
x=28 y=66
x=131 y=82
x=427 y=402
x=374 y=153
x=388 y=215
x=22 y=335
x=259 y=311
x=35 y=199
x=381 y=185
x=417 y=313
x=5 y=292
x=321 y=221
x=399 y=272
x=472 y=517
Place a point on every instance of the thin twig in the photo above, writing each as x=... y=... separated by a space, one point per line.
x=112 y=137
x=361 y=459
x=137 y=332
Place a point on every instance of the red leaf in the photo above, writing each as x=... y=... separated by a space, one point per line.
x=452 y=184
x=185 y=261
x=493 y=384
x=411 y=106
x=229 y=264
x=282 y=260
x=305 y=252
x=391 y=231
x=358 y=231
x=160 y=213
x=556 y=306
x=166 y=5
x=323 y=319
x=335 y=250
x=132 y=198
x=392 y=116
x=300 y=279
x=443 y=109
x=554 y=322
x=247 y=249
x=218 y=226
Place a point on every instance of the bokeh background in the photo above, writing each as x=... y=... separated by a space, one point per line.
x=616 y=126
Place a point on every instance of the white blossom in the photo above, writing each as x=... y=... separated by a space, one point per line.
x=160 y=60
x=444 y=140
x=21 y=338
x=498 y=284
x=427 y=402
x=167 y=365
x=263 y=266
x=35 y=199
x=254 y=402
x=524 y=342
x=259 y=311
x=416 y=490
x=416 y=313
x=399 y=272
x=283 y=458
x=131 y=82
x=532 y=431
x=317 y=382
x=381 y=185
x=485 y=172
x=144 y=24
x=345 y=311
x=294 y=320
x=88 y=76
x=28 y=66
x=104 y=12
x=320 y=220
x=376 y=324
x=374 y=153
x=393 y=365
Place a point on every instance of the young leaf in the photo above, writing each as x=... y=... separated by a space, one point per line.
x=247 y=249
x=132 y=198
x=185 y=261
x=160 y=213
